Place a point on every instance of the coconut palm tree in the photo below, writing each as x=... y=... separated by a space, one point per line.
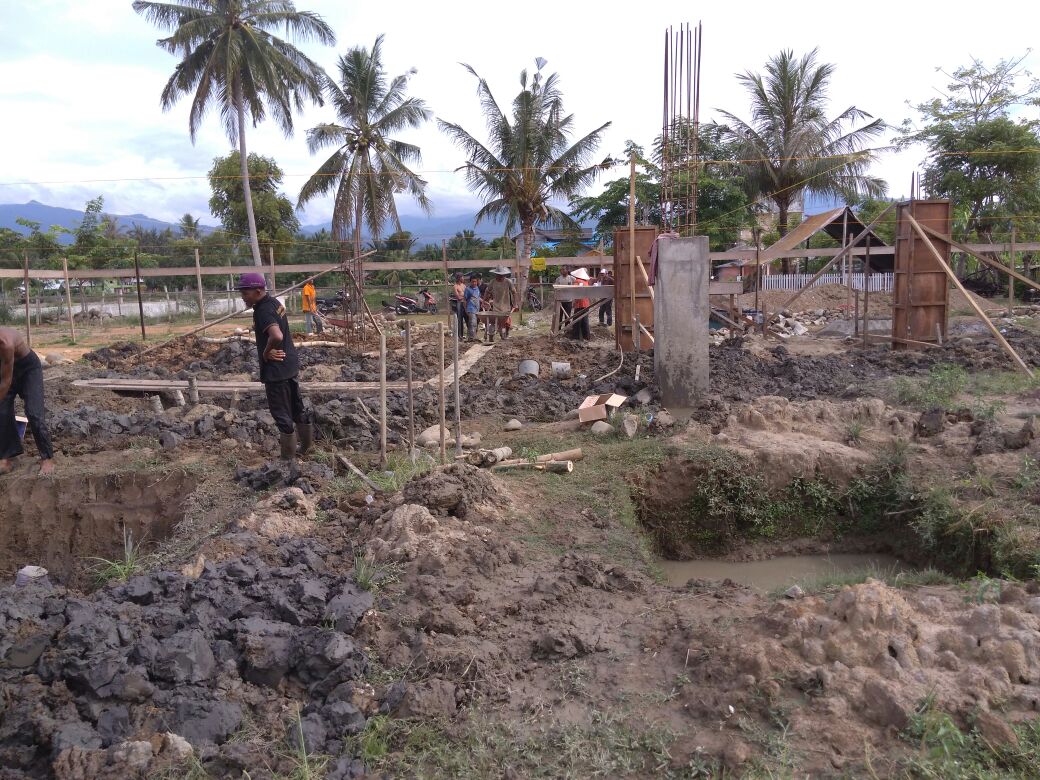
x=369 y=166
x=529 y=163
x=189 y=226
x=790 y=144
x=231 y=59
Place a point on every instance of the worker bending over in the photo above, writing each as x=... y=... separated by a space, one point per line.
x=21 y=375
x=279 y=366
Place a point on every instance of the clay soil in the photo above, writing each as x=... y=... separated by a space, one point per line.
x=462 y=623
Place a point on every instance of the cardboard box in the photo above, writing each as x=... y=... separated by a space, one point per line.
x=599 y=407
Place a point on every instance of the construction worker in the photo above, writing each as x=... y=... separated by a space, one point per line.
x=503 y=297
x=581 y=330
x=310 y=307
x=21 y=375
x=279 y=366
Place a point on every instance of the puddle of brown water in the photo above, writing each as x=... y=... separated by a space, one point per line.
x=777 y=572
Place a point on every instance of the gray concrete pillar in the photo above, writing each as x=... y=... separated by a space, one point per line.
x=681 y=314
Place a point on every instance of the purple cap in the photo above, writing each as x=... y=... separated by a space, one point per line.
x=251 y=281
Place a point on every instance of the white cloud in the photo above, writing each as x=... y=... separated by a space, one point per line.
x=80 y=82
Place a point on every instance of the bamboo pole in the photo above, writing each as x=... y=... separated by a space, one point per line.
x=848 y=248
x=68 y=299
x=28 y=316
x=758 y=275
x=140 y=300
x=270 y=259
x=198 y=286
x=440 y=382
x=382 y=399
x=411 y=394
x=632 y=245
x=646 y=277
x=957 y=283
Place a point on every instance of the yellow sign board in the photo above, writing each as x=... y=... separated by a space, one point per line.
x=537 y=263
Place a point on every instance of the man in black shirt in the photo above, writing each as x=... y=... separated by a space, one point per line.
x=279 y=366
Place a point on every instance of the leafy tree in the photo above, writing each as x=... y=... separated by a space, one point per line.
x=610 y=207
x=272 y=213
x=231 y=59
x=529 y=162
x=981 y=155
x=369 y=166
x=790 y=145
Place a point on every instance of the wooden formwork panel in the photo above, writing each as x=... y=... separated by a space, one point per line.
x=644 y=240
x=921 y=295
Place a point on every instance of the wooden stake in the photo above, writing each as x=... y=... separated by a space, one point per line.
x=140 y=300
x=440 y=382
x=866 y=293
x=198 y=286
x=1011 y=279
x=408 y=378
x=957 y=283
x=169 y=306
x=28 y=316
x=848 y=261
x=382 y=399
x=448 y=292
x=632 y=245
x=981 y=258
x=458 y=395
x=68 y=298
x=270 y=257
x=758 y=275
x=237 y=313
x=358 y=473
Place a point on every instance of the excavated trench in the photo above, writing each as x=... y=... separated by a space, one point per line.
x=62 y=523
x=711 y=515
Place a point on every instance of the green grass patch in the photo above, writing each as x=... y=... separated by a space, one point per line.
x=611 y=745
x=825 y=584
x=120 y=569
x=948 y=752
x=937 y=390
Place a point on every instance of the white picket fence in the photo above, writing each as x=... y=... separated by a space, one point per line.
x=878 y=282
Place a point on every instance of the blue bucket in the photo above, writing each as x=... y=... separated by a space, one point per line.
x=22 y=423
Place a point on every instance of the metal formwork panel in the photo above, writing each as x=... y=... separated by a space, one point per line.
x=921 y=295
x=645 y=237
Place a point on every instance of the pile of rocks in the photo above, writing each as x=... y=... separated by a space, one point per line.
x=187 y=657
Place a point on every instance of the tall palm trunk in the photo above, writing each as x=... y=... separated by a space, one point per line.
x=254 y=243
x=523 y=252
x=781 y=228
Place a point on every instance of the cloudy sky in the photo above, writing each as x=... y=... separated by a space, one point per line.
x=80 y=82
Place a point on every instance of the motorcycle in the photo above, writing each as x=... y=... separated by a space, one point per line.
x=423 y=303
x=333 y=305
x=534 y=303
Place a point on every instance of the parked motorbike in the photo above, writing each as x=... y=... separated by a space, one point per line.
x=534 y=303
x=423 y=303
x=333 y=305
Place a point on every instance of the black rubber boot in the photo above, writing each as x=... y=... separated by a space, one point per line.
x=288 y=445
x=306 y=435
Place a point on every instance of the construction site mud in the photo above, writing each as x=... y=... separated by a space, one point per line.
x=430 y=620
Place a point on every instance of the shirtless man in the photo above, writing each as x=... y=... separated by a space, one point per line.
x=21 y=375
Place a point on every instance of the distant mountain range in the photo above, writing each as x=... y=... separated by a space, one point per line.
x=428 y=230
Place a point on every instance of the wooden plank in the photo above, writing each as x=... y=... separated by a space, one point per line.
x=466 y=362
x=204 y=386
x=957 y=282
x=982 y=258
x=725 y=288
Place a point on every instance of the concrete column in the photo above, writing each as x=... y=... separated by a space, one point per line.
x=681 y=314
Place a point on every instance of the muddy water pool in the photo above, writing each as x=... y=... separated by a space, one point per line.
x=777 y=572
